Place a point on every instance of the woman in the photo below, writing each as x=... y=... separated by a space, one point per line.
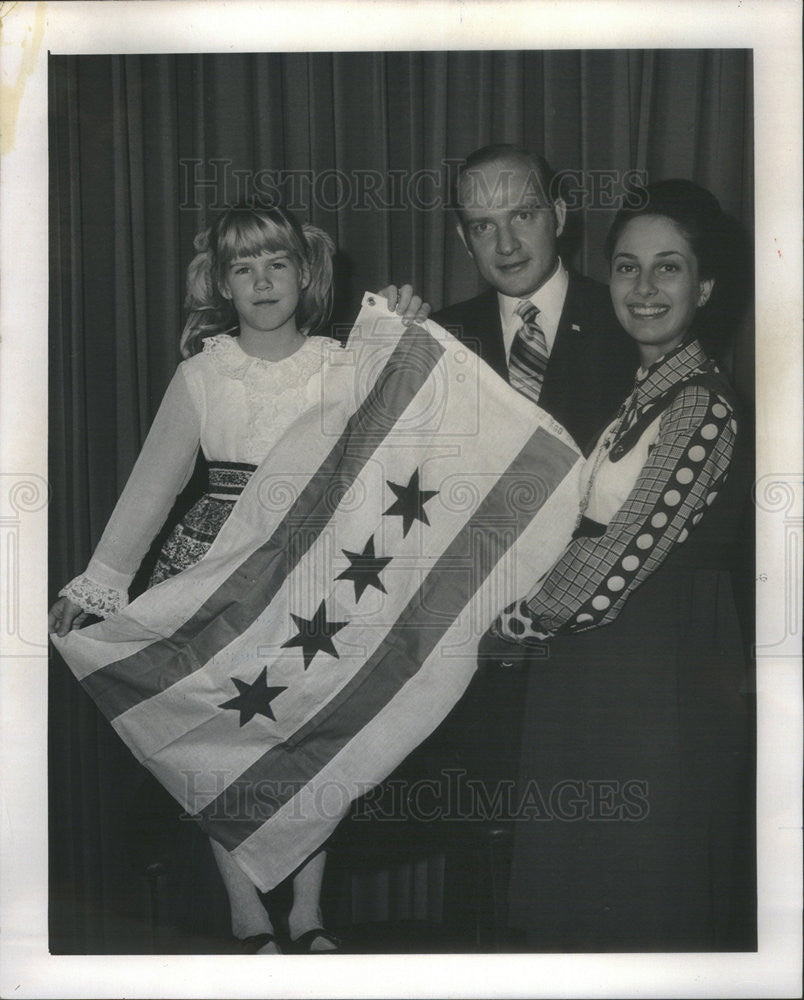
x=636 y=787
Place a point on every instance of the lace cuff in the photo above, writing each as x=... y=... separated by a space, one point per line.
x=94 y=597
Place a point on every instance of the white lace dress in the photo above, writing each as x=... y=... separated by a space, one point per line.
x=235 y=408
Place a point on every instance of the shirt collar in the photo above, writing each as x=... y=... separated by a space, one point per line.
x=670 y=369
x=548 y=299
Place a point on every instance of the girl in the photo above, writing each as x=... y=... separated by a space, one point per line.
x=258 y=288
x=637 y=736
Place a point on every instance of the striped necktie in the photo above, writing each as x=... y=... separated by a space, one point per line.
x=528 y=358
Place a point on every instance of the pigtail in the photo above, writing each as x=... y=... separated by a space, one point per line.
x=209 y=312
x=316 y=299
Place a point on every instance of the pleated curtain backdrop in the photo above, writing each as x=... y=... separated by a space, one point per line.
x=145 y=149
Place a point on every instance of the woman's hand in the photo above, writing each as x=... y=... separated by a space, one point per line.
x=64 y=616
x=515 y=626
x=407 y=305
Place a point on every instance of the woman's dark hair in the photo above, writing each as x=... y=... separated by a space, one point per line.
x=719 y=245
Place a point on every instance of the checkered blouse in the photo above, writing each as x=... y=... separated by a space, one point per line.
x=681 y=419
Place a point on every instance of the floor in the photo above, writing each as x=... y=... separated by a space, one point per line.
x=111 y=933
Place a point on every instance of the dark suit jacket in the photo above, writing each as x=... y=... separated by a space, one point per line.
x=592 y=363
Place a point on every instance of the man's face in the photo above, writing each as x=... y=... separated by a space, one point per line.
x=510 y=227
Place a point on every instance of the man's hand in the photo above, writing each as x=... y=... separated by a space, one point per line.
x=407 y=305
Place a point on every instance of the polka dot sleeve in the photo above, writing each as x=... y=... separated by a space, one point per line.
x=591 y=582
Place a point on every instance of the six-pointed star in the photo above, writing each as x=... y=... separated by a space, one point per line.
x=365 y=569
x=315 y=634
x=254 y=699
x=409 y=503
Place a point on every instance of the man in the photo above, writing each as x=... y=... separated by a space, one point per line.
x=569 y=355
x=572 y=357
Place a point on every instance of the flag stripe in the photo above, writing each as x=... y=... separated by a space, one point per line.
x=282 y=771
x=244 y=595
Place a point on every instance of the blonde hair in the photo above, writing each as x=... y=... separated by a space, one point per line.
x=249 y=232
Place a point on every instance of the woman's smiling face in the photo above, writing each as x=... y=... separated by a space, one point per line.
x=655 y=286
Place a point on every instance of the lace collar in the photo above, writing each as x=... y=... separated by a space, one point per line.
x=230 y=358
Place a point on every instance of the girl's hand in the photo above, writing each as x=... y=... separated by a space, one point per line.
x=64 y=616
x=407 y=305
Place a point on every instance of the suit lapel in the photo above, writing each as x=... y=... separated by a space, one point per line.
x=492 y=347
x=565 y=357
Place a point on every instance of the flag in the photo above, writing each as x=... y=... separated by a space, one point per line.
x=334 y=622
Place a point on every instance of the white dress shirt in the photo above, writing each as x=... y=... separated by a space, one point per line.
x=548 y=299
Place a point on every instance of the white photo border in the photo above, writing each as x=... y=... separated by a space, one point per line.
x=31 y=30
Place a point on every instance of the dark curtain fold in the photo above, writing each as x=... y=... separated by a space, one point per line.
x=144 y=149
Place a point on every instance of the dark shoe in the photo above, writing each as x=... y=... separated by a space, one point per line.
x=303 y=945
x=251 y=945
